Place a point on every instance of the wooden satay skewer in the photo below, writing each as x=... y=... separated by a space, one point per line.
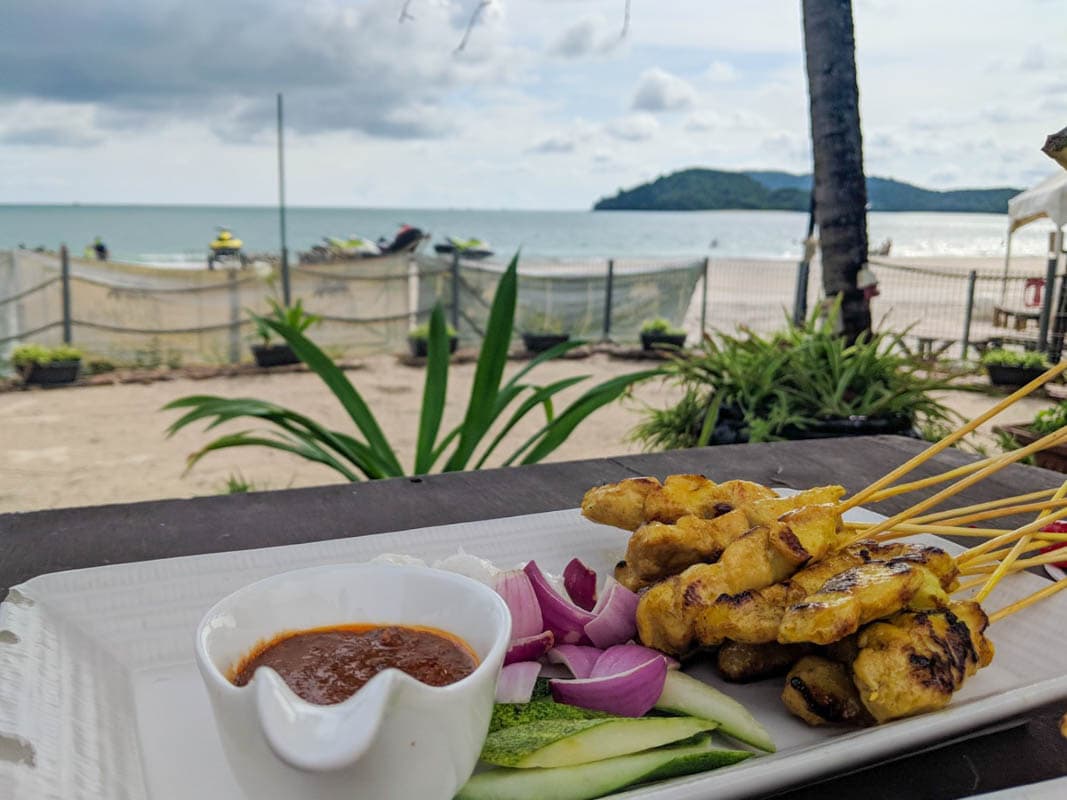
x=1007 y=458
x=860 y=497
x=1041 y=506
x=1036 y=597
x=1015 y=566
x=989 y=504
x=1020 y=547
x=933 y=480
x=1010 y=536
x=906 y=530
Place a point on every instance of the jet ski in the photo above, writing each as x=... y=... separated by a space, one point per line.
x=226 y=250
x=352 y=247
x=406 y=240
x=468 y=248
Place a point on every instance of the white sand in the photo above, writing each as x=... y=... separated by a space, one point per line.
x=92 y=445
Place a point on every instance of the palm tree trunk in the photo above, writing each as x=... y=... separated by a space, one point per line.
x=837 y=146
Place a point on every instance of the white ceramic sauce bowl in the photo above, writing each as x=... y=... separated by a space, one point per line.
x=396 y=737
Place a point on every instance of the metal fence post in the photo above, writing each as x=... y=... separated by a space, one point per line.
x=704 y=300
x=609 y=292
x=455 y=289
x=1050 y=283
x=800 y=295
x=235 y=318
x=972 y=278
x=64 y=271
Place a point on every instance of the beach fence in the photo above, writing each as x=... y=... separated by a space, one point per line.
x=596 y=300
x=149 y=316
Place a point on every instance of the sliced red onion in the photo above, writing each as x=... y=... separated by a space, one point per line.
x=566 y=620
x=514 y=586
x=529 y=648
x=615 y=616
x=580 y=583
x=622 y=658
x=516 y=682
x=632 y=693
x=578 y=659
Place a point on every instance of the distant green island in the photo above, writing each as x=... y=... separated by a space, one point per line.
x=710 y=189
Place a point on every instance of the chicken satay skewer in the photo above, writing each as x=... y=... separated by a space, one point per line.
x=1020 y=547
x=894 y=475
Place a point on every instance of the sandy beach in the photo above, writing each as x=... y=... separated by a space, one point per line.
x=107 y=444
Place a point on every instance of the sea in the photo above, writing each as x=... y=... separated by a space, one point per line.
x=178 y=235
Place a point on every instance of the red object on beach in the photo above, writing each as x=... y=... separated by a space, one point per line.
x=1056 y=527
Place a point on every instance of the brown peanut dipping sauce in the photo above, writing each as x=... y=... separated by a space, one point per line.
x=329 y=665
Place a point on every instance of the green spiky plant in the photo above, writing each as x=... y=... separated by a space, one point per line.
x=774 y=386
x=495 y=407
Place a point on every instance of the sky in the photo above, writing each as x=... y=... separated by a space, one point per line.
x=547 y=106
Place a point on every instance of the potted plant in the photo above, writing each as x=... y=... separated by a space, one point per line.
x=1013 y=367
x=1044 y=422
x=542 y=331
x=658 y=334
x=47 y=366
x=800 y=383
x=270 y=354
x=420 y=335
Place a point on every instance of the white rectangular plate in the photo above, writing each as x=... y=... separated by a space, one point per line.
x=99 y=696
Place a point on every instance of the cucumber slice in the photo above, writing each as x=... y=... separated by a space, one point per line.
x=563 y=742
x=508 y=715
x=588 y=781
x=684 y=694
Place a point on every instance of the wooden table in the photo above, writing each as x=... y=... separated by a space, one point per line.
x=46 y=541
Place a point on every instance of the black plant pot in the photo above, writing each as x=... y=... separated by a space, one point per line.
x=662 y=341
x=420 y=347
x=731 y=428
x=1002 y=375
x=54 y=373
x=539 y=342
x=274 y=355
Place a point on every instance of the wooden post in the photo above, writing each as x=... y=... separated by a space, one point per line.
x=609 y=292
x=235 y=318
x=972 y=278
x=64 y=267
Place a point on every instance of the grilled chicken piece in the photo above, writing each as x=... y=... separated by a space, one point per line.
x=740 y=663
x=658 y=550
x=857 y=596
x=820 y=691
x=757 y=616
x=768 y=554
x=914 y=662
x=620 y=504
x=764 y=511
x=633 y=502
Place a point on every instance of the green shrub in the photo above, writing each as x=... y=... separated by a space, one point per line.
x=1049 y=420
x=495 y=407
x=423 y=331
x=758 y=388
x=293 y=317
x=660 y=325
x=1026 y=359
x=27 y=354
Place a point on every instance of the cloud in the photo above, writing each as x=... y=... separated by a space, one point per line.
x=633 y=128
x=658 y=90
x=735 y=119
x=721 y=72
x=577 y=41
x=553 y=145
x=49 y=136
x=341 y=68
